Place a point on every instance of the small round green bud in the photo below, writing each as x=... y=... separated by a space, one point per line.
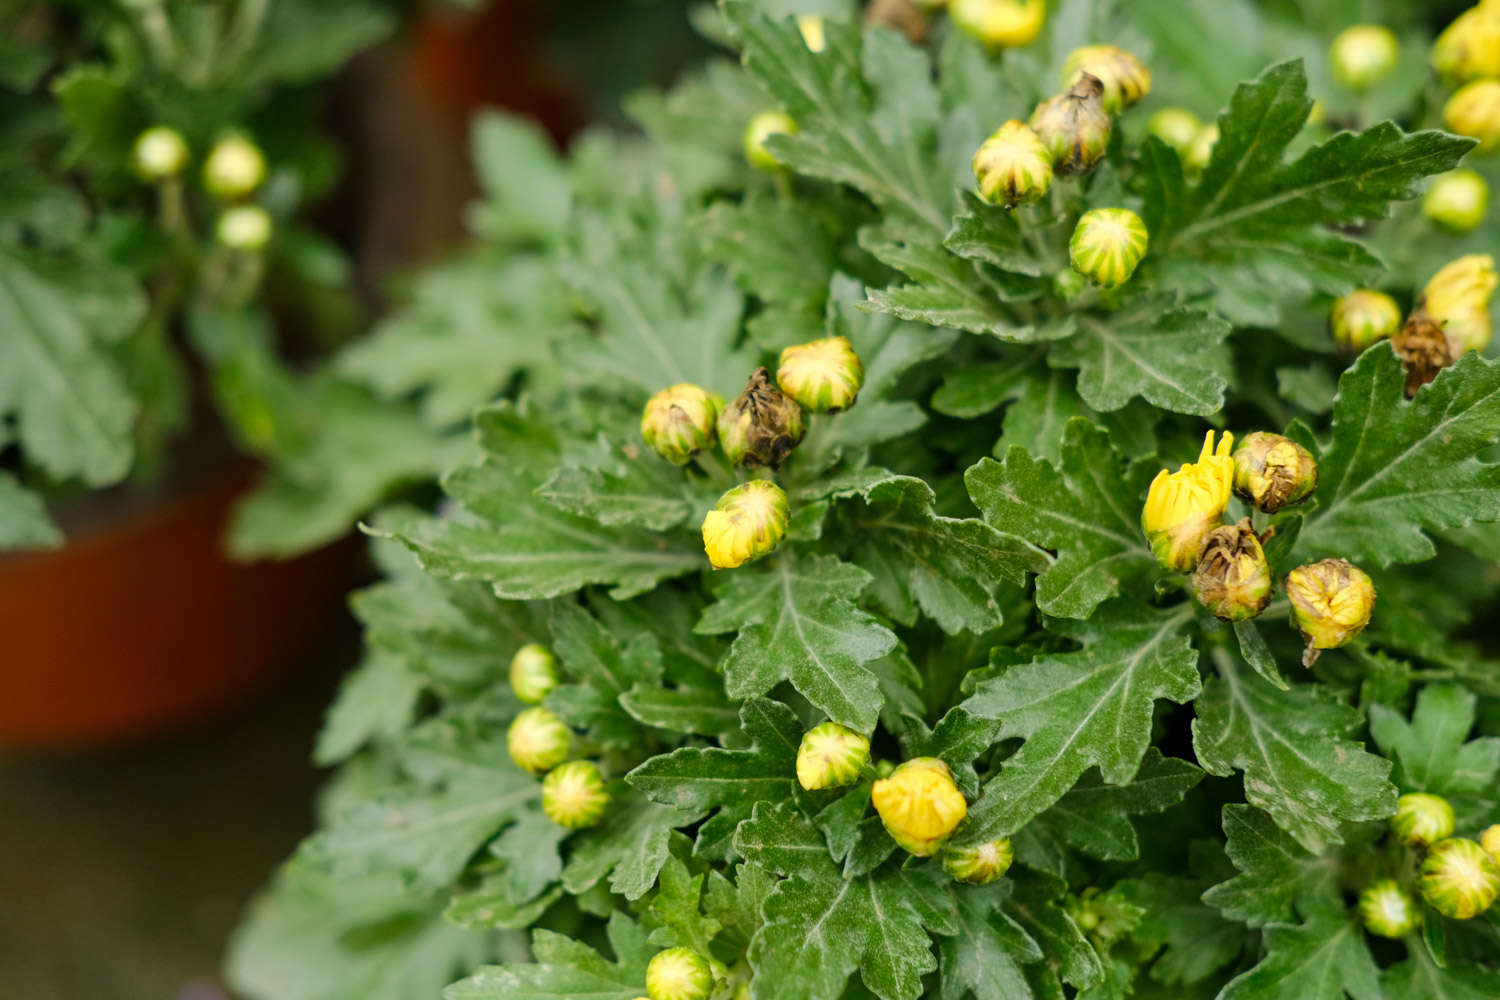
x=919 y=805
x=762 y=127
x=1331 y=604
x=1474 y=110
x=1126 y=79
x=1364 y=55
x=748 y=522
x=1469 y=48
x=981 y=864
x=235 y=167
x=538 y=740
x=1457 y=200
x=1068 y=284
x=573 y=794
x=813 y=34
x=1201 y=150
x=244 y=227
x=831 y=756
x=885 y=768
x=999 y=23
x=159 y=152
x=1232 y=579
x=1074 y=127
x=1490 y=841
x=1177 y=127
x=1422 y=819
x=533 y=673
x=679 y=422
x=1272 y=471
x=823 y=375
x=679 y=974
x=1107 y=245
x=1387 y=910
x=762 y=426
x=1362 y=317
x=1458 y=879
x=1012 y=167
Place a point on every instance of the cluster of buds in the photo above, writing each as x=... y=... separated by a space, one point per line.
x=1363 y=55
x=1451 y=316
x=920 y=805
x=1467 y=55
x=539 y=741
x=1457 y=877
x=681 y=974
x=233 y=170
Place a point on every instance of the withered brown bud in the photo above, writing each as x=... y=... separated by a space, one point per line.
x=1272 y=471
x=1423 y=348
x=1233 y=579
x=1074 y=126
x=762 y=426
x=905 y=16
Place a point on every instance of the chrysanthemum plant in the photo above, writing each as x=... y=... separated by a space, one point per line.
x=940 y=574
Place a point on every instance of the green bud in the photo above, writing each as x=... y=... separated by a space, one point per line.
x=1490 y=841
x=538 y=740
x=1125 y=78
x=533 y=673
x=159 y=152
x=1068 y=284
x=234 y=168
x=1107 y=245
x=1422 y=819
x=1458 y=879
x=1201 y=150
x=831 y=756
x=573 y=794
x=1363 y=55
x=679 y=422
x=1272 y=471
x=999 y=23
x=1232 y=579
x=1469 y=48
x=679 y=974
x=979 y=865
x=1362 y=317
x=244 y=227
x=1475 y=111
x=1331 y=604
x=1074 y=127
x=1177 y=127
x=1012 y=167
x=823 y=375
x=748 y=522
x=1388 y=910
x=919 y=805
x=1457 y=200
x=761 y=426
x=885 y=768
x=762 y=127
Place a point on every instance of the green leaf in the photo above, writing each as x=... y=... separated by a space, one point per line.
x=985 y=957
x=629 y=485
x=376 y=701
x=299 y=43
x=23 y=520
x=1323 y=960
x=1195 y=941
x=601 y=664
x=565 y=969
x=1080 y=710
x=1432 y=755
x=1083 y=509
x=1419 y=978
x=1275 y=872
x=1035 y=906
x=775 y=249
x=630 y=846
x=677 y=904
x=524 y=183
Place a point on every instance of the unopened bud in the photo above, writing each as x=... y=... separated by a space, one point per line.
x=1388 y=910
x=1068 y=284
x=999 y=23
x=533 y=673
x=1457 y=299
x=813 y=35
x=1490 y=841
x=884 y=768
x=823 y=375
x=1012 y=167
x=1331 y=604
x=244 y=227
x=761 y=128
x=1074 y=127
x=1424 y=349
x=573 y=794
x=919 y=805
x=1422 y=819
x=747 y=523
x=1177 y=127
x=1364 y=55
x=1126 y=79
x=1458 y=879
x=1107 y=245
x=761 y=426
x=679 y=974
x=679 y=422
x=1469 y=48
x=1362 y=317
x=1474 y=110
x=831 y=756
x=1201 y=150
x=981 y=864
x=234 y=168
x=159 y=152
x=1233 y=579
x=538 y=740
x=1457 y=200
x=1182 y=507
x=1272 y=471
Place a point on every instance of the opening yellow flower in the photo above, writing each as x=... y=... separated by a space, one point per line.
x=1457 y=299
x=746 y=523
x=1182 y=507
x=919 y=805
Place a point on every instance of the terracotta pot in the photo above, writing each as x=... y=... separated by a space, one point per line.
x=141 y=624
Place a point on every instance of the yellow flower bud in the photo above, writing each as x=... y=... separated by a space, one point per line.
x=1422 y=819
x=1012 y=167
x=1233 y=579
x=1201 y=150
x=1182 y=507
x=1107 y=245
x=679 y=422
x=234 y=168
x=1490 y=841
x=1458 y=879
x=979 y=865
x=761 y=426
x=1474 y=110
x=538 y=740
x=1387 y=910
x=533 y=673
x=823 y=375
x=573 y=794
x=1458 y=300
x=813 y=35
x=1126 y=79
x=747 y=523
x=999 y=23
x=831 y=756
x=679 y=974
x=1272 y=472
x=1362 y=317
x=159 y=152
x=1074 y=127
x=1331 y=604
x=1177 y=127
x=1469 y=48
x=1457 y=200
x=919 y=805
x=1364 y=55
x=761 y=128
x=244 y=227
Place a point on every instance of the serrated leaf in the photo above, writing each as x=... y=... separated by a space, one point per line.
x=1433 y=753
x=774 y=248
x=1323 y=960
x=1275 y=871
x=524 y=183
x=566 y=969
x=630 y=845
x=1195 y=941
x=375 y=701
x=1419 y=978
x=601 y=665
x=984 y=958
x=23 y=520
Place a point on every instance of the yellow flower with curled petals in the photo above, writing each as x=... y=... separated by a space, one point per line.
x=919 y=805
x=1458 y=300
x=1182 y=507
